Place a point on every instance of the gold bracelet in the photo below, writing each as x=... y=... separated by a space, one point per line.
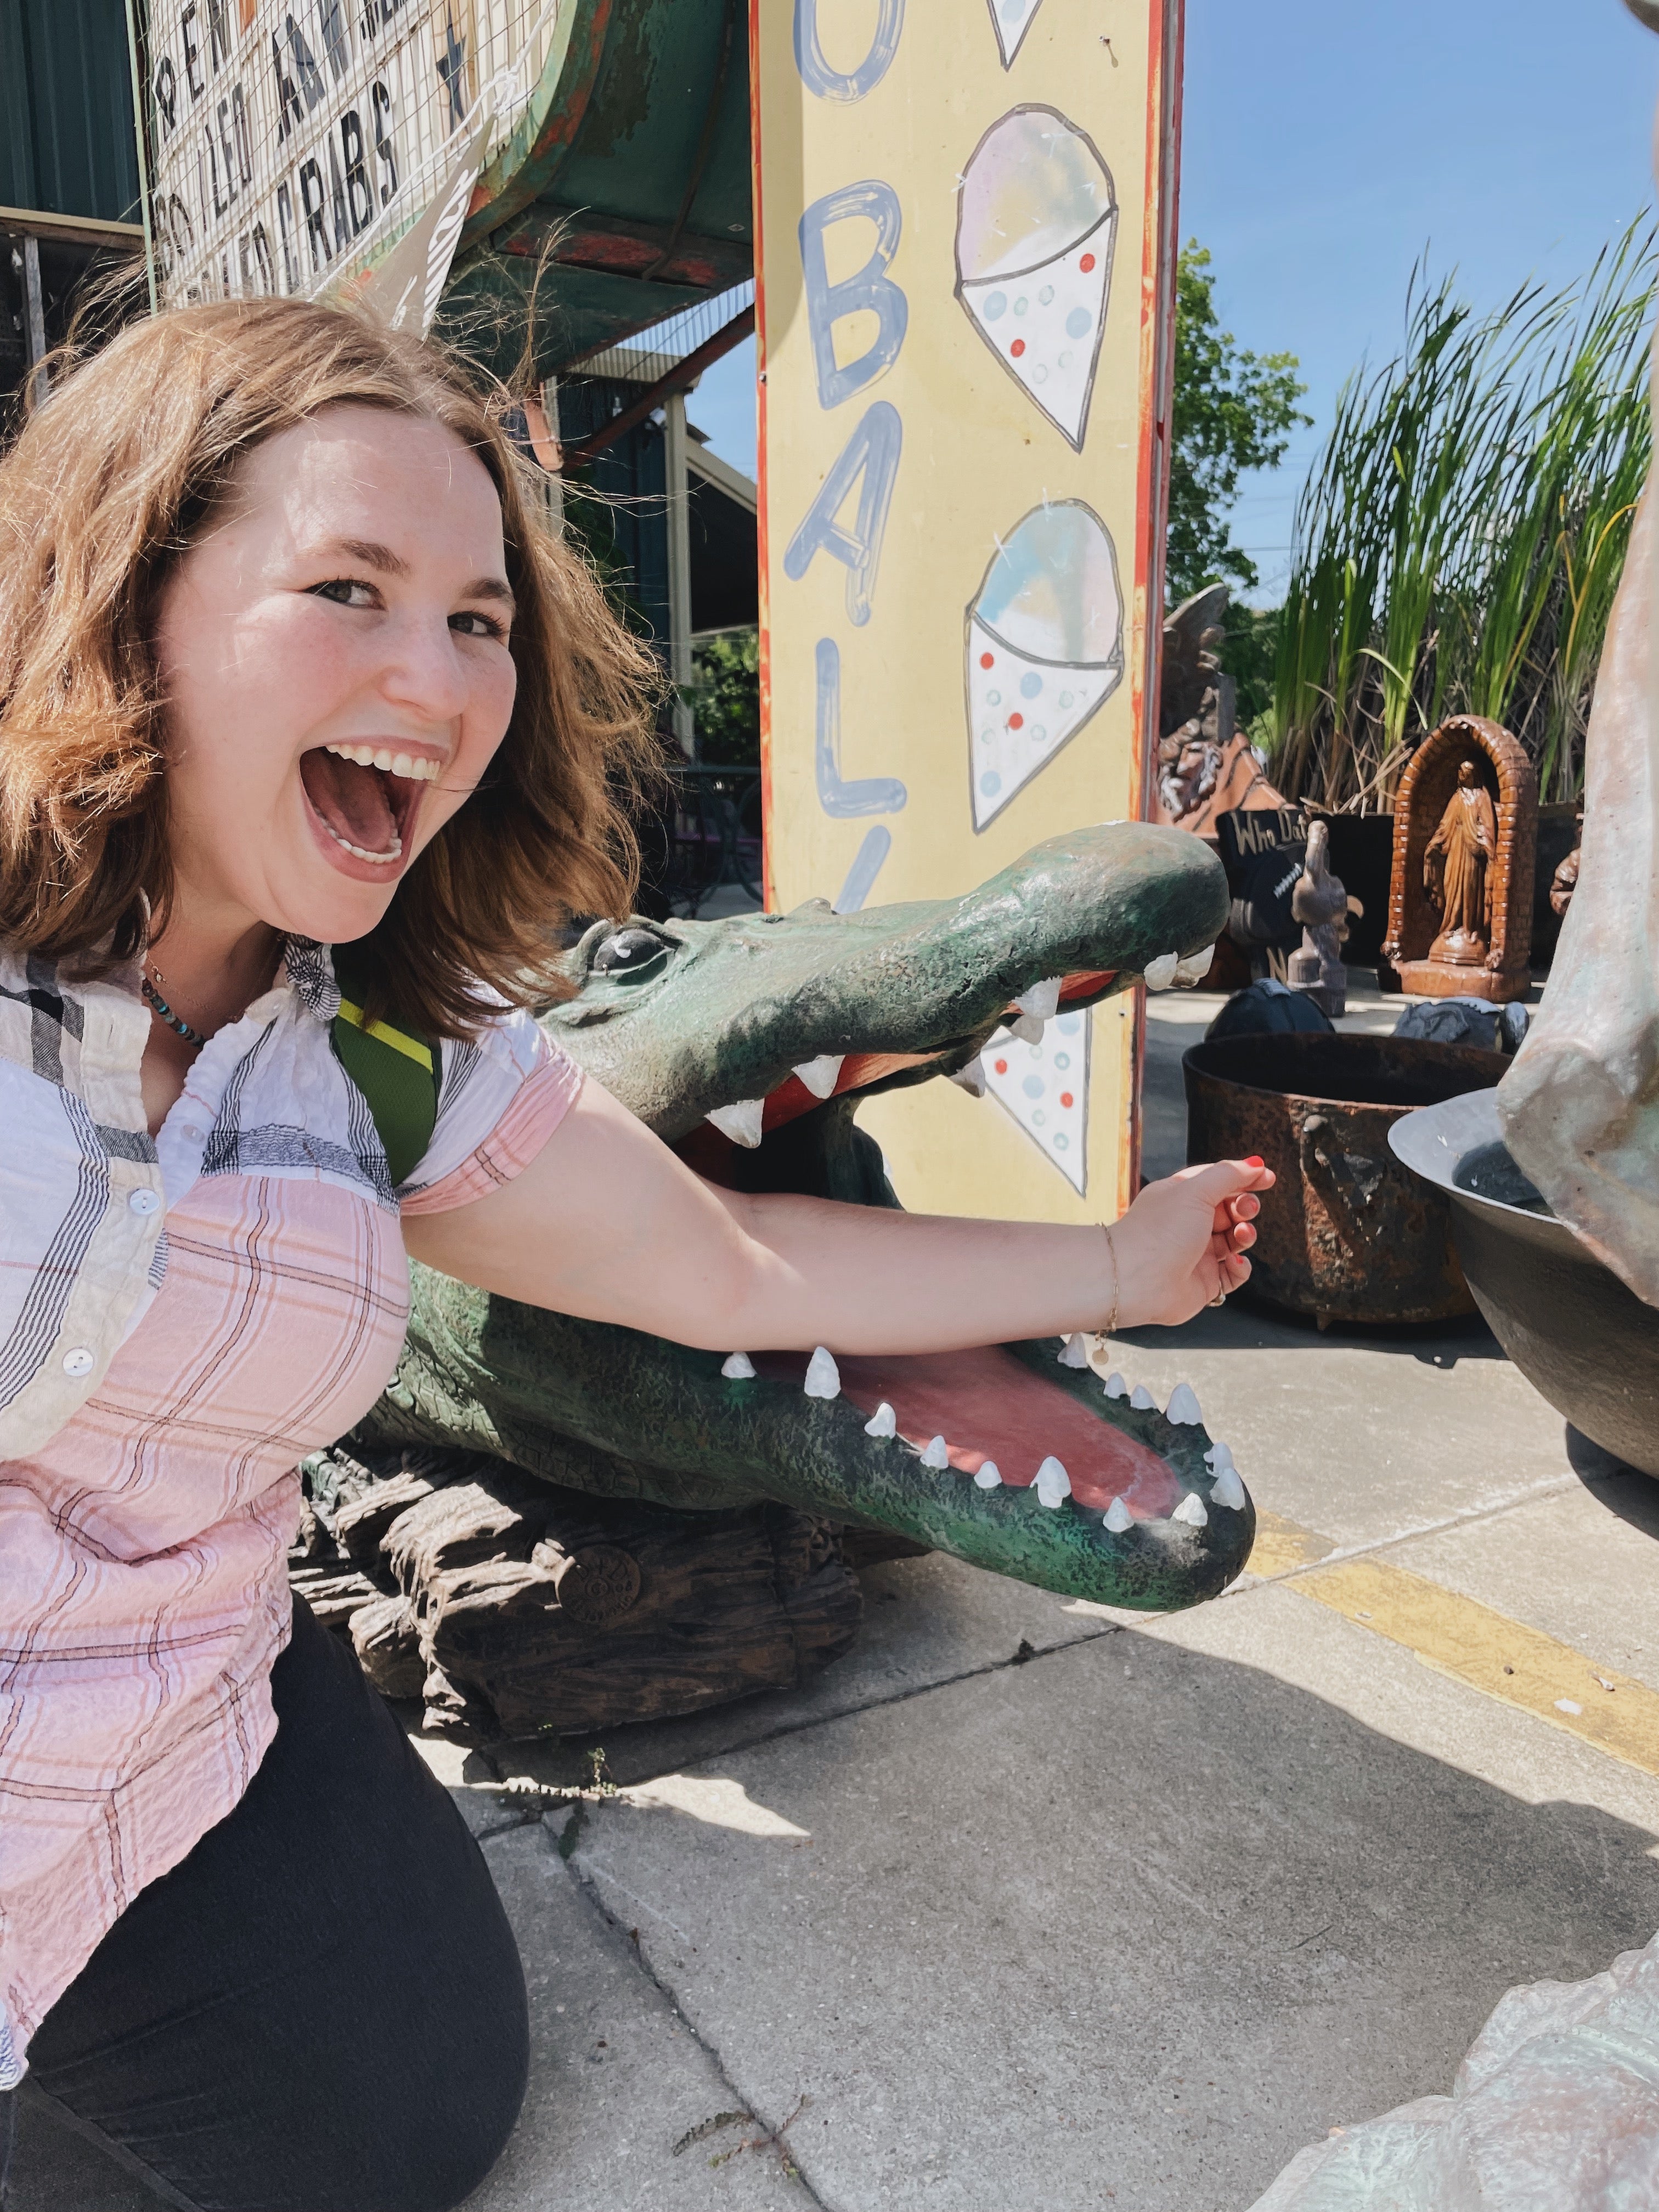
x=1111 y=1319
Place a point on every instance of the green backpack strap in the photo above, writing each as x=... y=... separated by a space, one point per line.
x=396 y=1068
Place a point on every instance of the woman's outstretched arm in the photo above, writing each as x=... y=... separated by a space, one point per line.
x=608 y=1223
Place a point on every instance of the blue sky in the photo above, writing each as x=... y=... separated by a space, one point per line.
x=1328 y=142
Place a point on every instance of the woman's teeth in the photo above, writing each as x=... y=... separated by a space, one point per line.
x=384 y=858
x=413 y=768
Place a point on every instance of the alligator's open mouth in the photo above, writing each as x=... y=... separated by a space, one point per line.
x=747 y=1044
x=991 y=1415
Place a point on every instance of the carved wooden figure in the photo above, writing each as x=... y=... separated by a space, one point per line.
x=1465 y=837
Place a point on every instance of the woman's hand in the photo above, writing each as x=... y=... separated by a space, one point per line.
x=1182 y=1244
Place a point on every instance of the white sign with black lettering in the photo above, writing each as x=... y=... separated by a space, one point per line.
x=290 y=136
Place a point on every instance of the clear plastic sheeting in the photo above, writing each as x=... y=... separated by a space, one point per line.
x=1555 y=2109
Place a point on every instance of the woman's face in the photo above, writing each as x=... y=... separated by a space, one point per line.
x=333 y=655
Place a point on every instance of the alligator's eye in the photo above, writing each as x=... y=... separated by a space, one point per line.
x=630 y=953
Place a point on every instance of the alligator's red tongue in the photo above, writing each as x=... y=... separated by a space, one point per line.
x=354 y=802
x=988 y=1405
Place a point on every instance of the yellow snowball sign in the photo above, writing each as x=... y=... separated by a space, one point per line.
x=965 y=216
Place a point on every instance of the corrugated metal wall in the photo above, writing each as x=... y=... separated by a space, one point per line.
x=66 y=137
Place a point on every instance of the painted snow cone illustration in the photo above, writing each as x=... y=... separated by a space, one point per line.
x=1036 y=218
x=1045 y=1088
x=1045 y=647
x=1012 y=19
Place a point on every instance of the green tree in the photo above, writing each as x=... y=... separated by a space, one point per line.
x=725 y=696
x=1234 y=410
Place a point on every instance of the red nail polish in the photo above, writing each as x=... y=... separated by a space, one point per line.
x=1255 y=1160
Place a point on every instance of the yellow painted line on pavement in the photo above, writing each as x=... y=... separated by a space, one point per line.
x=1281 y=1545
x=1519 y=1666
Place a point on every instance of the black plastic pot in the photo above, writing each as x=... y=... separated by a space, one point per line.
x=1579 y=1335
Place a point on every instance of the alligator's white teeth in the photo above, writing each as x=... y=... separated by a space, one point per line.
x=1119 y=1517
x=1227 y=1490
x=403 y=766
x=822 y=1375
x=884 y=1422
x=989 y=1476
x=1142 y=1399
x=1116 y=1385
x=1160 y=974
x=738 y=1368
x=1217 y=1456
x=1191 y=1510
x=1193 y=969
x=1053 y=1484
x=821 y=1075
x=936 y=1454
x=971 y=1078
x=1042 y=1001
x=1028 y=1029
x=1075 y=1353
x=1184 y=1408
x=741 y=1121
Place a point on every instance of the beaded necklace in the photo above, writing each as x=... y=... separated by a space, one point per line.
x=164 y=1013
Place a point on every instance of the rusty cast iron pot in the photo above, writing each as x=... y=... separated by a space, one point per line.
x=1579 y=1335
x=1348 y=1234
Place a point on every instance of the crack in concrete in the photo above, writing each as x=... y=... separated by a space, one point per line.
x=773 y=2139
x=1468 y=1520
x=505 y=1827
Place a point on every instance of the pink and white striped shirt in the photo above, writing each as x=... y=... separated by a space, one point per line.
x=181 y=1321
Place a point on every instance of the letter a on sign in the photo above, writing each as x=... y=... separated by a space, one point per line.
x=871 y=288
x=872 y=454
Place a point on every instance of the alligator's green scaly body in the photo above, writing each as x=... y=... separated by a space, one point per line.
x=683 y=1020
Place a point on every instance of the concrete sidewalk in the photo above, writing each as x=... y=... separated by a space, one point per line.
x=1030 y=1904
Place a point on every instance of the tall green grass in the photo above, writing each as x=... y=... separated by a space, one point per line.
x=1459 y=541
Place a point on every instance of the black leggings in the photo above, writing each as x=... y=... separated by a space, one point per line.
x=321 y=2009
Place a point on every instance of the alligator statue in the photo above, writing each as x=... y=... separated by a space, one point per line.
x=481 y=1531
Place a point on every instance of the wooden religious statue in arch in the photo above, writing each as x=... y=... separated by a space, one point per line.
x=1465 y=839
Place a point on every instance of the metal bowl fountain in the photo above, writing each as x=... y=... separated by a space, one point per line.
x=1580 y=1338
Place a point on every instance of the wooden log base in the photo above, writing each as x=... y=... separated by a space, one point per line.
x=512 y=1609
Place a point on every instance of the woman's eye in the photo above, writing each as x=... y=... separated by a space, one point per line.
x=471 y=624
x=346 y=592
x=629 y=952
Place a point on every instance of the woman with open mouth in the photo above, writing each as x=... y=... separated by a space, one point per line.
x=287 y=669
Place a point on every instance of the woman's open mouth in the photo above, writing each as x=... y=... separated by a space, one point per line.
x=363 y=799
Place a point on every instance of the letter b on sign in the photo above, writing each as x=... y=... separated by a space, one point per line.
x=871 y=288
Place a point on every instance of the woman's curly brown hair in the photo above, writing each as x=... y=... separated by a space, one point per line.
x=112 y=479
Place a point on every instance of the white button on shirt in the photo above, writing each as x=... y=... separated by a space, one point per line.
x=143 y=1201
x=80 y=1361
